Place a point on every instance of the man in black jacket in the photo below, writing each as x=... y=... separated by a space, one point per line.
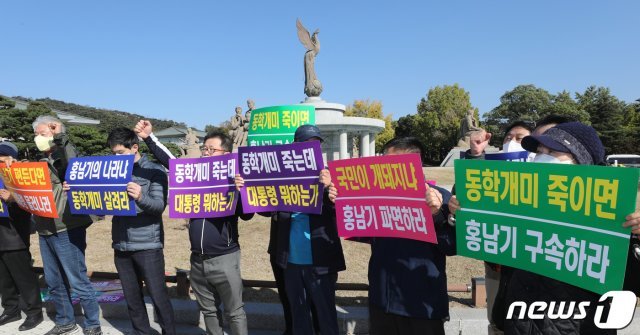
x=306 y=256
x=138 y=241
x=215 y=258
x=17 y=278
x=407 y=278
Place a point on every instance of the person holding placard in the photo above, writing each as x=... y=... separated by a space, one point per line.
x=138 y=241
x=215 y=259
x=306 y=255
x=570 y=143
x=407 y=278
x=63 y=240
x=17 y=278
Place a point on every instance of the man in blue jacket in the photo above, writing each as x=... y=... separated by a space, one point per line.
x=407 y=278
x=138 y=240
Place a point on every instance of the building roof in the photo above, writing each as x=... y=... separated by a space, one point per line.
x=177 y=132
x=67 y=118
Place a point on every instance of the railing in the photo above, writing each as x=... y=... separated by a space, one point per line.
x=181 y=279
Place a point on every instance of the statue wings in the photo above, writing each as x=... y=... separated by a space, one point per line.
x=304 y=36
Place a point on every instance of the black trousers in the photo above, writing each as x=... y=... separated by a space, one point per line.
x=278 y=274
x=17 y=279
x=381 y=323
x=306 y=291
x=134 y=267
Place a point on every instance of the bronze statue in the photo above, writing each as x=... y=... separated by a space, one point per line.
x=237 y=122
x=251 y=104
x=312 y=86
x=467 y=126
x=245 y=126
x=189 y=146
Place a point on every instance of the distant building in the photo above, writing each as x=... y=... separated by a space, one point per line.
x=67 y=118
x=176 y=135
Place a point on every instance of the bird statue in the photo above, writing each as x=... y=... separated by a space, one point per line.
x=312 y=86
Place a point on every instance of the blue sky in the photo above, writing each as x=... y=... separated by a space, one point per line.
x=194 y=61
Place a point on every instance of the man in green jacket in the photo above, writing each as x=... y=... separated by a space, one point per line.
x=63 y=240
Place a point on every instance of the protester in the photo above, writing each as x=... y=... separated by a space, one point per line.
x=513 y=135
x=407 y=278
x=63 y=240
x=138 y=241
x=567 y=143
x=215 y=258
x=306 y=255
x=17 y=278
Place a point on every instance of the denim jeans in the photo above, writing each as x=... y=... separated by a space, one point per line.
x=65 y=271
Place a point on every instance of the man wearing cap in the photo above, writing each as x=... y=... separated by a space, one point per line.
x=17 y=278
x=306 y=256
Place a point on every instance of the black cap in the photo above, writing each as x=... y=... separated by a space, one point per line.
x=578 y=139
x=307 y=131
x=8 y=149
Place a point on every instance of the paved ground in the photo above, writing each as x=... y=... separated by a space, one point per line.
x=463 y=321
x=265 y=319
x=113 y=327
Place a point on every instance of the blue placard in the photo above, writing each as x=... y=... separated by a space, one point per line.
x=98 y=185
x=518 y=156
x=4 y=209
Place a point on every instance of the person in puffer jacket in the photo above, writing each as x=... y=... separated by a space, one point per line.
x=138 y=241
x=215 y=250
x=567 y=143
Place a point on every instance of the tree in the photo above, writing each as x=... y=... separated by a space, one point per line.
x=16 y=125
x=563 y=104
x=372 y=109
x=530 y=103
x=6 y=103
x=437 y=121
x=607 y=114
x=524 y=102
x=89 y=141
x=406 y=126
x=631 y=127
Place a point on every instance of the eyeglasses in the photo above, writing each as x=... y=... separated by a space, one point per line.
x=211 y=150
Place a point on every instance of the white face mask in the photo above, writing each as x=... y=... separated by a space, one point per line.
x=512 y=146
x=44 y=143
x=544 y=158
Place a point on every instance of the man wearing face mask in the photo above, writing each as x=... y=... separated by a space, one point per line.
x=138 y=240
x=513 y=135
x=63 y=240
